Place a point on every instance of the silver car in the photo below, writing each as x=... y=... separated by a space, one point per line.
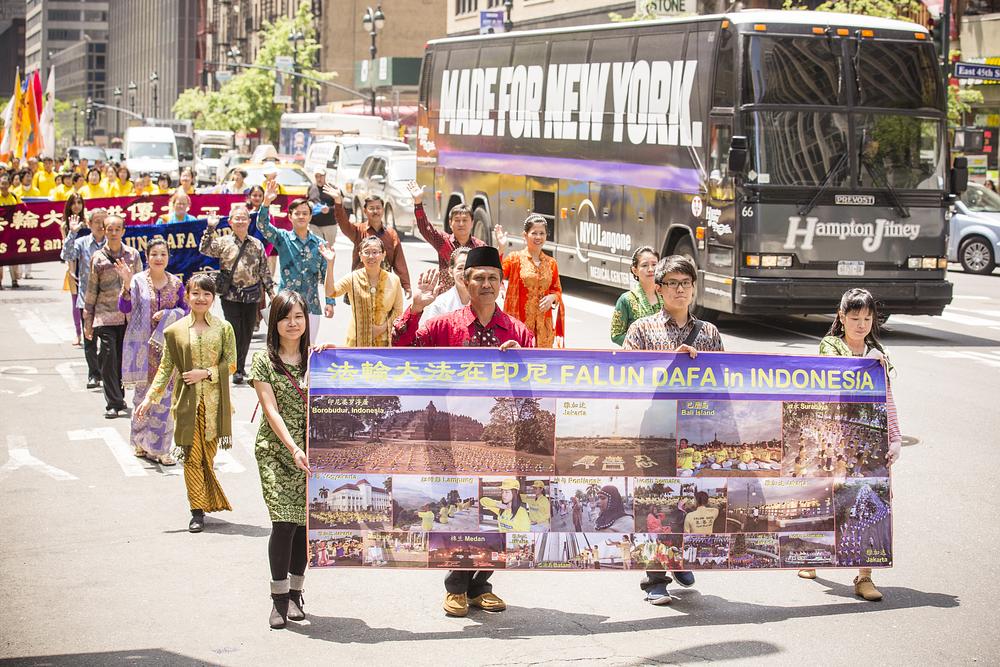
x=386 y=173
x=974 y=241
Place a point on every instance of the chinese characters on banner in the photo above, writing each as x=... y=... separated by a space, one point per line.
x=574 y=460
x=32 y=232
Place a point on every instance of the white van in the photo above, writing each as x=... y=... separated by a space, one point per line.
x=153 y=150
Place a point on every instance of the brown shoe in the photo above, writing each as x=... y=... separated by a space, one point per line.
x=807 y=574
x=456 y=604
x=488 y=602
x=864 y=587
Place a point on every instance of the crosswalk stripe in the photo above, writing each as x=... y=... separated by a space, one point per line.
x=987 y=312
x=120 y=449
x=967 y=320
x=20 y=457
x=72 y=379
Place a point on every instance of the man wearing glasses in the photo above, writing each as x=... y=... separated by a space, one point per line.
x=673 y=329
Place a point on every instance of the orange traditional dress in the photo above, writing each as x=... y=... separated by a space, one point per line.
x=527 y=283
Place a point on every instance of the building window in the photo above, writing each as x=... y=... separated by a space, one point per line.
x=64 y=15
x=64 y=35
x=982 y=7
x=466 y=6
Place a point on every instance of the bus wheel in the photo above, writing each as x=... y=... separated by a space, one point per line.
x=482 y=225
x=685 y=249
x=976 y=255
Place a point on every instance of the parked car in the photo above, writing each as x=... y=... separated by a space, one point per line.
x=92 y=153
x=386 y=173
x=207 y=162
x=342 y=158
x=291 y=178
x=152 y=149
x=231 y=159
x=974 y=240
x=116 y=155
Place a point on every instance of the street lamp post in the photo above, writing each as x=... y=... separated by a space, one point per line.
x=131 y=93
x=296 y=37
x=508 y=24
x=373 y=21
x=117 y=94
x=75 y=108
x=153 y=79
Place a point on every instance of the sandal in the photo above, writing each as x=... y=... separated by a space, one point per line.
x=167 y=460
x=140 y=453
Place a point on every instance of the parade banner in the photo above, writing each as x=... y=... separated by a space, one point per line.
x=472 y=458
x=31 y=232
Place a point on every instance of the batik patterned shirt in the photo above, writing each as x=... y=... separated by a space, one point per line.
x=660 y=332
x=302 y=266
x=252 y=268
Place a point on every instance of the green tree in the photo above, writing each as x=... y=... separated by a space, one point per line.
x=246 y=102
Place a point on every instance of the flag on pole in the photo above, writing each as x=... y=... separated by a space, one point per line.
x=17 y=133
x=48 y=118
x=6 y=147
x=33 y=138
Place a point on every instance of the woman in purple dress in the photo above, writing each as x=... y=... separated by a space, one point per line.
x=153 y=301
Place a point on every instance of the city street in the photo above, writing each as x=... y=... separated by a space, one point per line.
x=99 y=568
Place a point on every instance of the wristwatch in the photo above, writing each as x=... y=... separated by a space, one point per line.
x=210 y=374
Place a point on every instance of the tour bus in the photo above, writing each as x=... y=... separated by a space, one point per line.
x=790 y=154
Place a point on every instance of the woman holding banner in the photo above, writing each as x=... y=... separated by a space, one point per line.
x=278 y=375
x=854 y=333
x=376 y=295
x=153 y=300
x=202 y=349
x=533 y=287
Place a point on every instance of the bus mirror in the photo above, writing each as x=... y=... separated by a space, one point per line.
x=959 y=175
x=737 y=154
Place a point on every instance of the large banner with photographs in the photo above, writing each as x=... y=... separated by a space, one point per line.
x=470 y=458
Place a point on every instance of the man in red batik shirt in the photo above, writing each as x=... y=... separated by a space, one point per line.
x=480 y=324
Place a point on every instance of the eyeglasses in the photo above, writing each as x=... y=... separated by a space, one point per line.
x=674 y=284
x=371 y=253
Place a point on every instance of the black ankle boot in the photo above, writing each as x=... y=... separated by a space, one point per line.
x=279 y=610
x=197 y=523
x=296 y=606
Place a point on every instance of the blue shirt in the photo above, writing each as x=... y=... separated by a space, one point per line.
x=172 y=217
x=80 y=250
x=302 y=267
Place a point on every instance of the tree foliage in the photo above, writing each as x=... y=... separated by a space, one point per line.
x=246 y=102
x=521 y=423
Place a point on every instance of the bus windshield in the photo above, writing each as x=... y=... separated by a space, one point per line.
x=802 y=146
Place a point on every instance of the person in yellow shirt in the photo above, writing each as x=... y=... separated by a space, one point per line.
x=44 y=179
x=426 y=515
x=685 y=458
x=721 y=459
x=697 y=458
x=125 y=187
x=539 y=507
x=93 y=189
x=512 y=515
x=746 y=460
x=702 y=519
x=7 y=195
x=162 y=186
x=144 y=186
x=109 y=178
x=187 y=182
x=443 y=515
x=63 y=188
x=83 y=167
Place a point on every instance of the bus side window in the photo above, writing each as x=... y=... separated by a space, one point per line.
x=720 y=182
x=725 y=70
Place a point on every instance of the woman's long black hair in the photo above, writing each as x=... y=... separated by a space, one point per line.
x=281 y=305
x=857 y=299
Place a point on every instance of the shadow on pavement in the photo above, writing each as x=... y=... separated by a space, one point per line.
x=214 y=525
x=146 y=656
x=735 y=650
x=698 y=611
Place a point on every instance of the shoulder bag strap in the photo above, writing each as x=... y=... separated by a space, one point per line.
x=695 y=330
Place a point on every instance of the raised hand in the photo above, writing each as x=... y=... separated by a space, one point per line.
x=416 y=191
x=424 y=293
x=124 y=271
x=500 y=236
x=75 y=223
x=213 y=221
x=330 y=191
x=270 y=191
x=329 y=254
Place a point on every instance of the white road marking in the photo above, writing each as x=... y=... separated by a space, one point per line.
x=989 y=358
x=120 y=449
x=227 y=463
x=987 y=313
x=576 y=303
x=967 y=320
x=43 y=330
x=72 y=379
x=970 y=297
x=20 y=457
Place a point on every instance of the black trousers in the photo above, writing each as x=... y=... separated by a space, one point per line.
x=243 y=317
x=472 y=582
x=286 y=550
x=109 y=359
x=90 y=353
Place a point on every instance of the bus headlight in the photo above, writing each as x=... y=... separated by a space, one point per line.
x=769 y=261
x=753 y=260
x=928 y=263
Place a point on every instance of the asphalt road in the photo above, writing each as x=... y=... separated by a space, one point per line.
x=98 y=566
